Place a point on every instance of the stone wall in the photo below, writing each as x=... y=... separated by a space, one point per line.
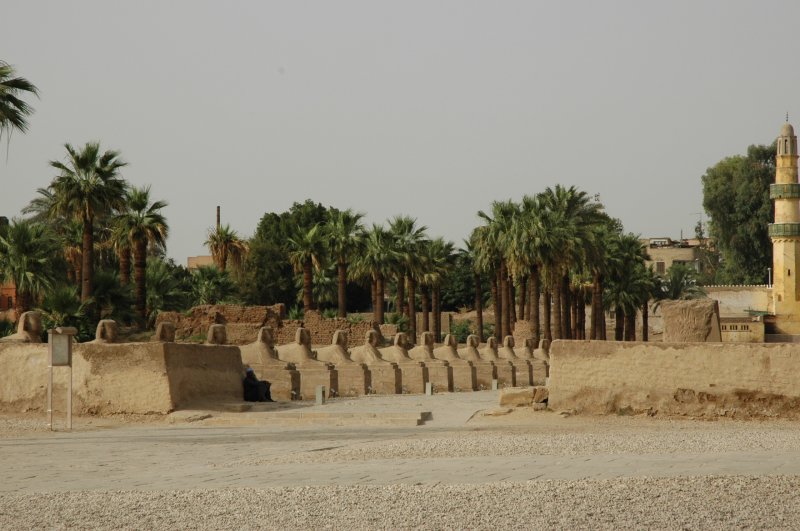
x=322 y=329
x=242 y=322
x=735 y=301
x=675 y=378
x=141 y=378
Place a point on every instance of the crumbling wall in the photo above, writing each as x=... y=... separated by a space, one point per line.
x=242 y=322
x=705 y=379
x=691 y=321
x=139 y=378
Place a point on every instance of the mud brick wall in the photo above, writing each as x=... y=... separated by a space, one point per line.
x=242 y=322
x=708 y=379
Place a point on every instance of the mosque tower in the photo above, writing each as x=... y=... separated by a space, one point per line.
x=785 y=235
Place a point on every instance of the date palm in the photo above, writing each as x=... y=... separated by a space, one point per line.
x=408 y=241
x=14 y=111
x=226 y=246
x=145 y=226
x=26 y=251
x=376 y=261
x=307 y=252
x=344 y=231
x=88 y=185
x=438 y=255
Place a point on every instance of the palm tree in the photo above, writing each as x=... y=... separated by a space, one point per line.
x=13 y=109
x=628 y=285
x=680 y=283
x=408 y=241
x=145 y=226
x=472 y=251
x=226 y=245
x=26 y=251
x=209 y=285
x=495 y=242
x=438 y=255
x=88 y=185
x=306 y=253
x=375 y=261
x=344 y=232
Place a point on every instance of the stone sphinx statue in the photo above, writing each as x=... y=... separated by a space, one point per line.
x=368 y=353
x=336 y=352
x=397 y=352
x=217 y=335
x=470 y=351
x=165 y=332
x=107 y=331
x=29 y=329
x=299 y=352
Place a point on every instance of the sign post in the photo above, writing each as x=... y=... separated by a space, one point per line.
x=59 y=346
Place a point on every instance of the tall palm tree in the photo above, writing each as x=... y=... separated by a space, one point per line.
x=344 y=237
x=226 y=246
x=14 y=111
x=26 y=251
x=145 y=226
x=408 y=241
x=375 y=261
x=88 y=185
x=472 y=250
x=628 y=283
x=438 y=255
x=307 y=251
x=496 y=241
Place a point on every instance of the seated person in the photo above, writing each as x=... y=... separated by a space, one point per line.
x=255 y=390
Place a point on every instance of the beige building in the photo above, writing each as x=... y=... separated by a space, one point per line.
x=193 y=262
x=664 y=252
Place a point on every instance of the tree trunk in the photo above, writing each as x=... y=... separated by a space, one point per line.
x=70 y=275
x=425 y=301
x=512 y=302
x=645 y=324
x=342 y=291
x=374 y=289
x=566 y=305
x=619 y=323
x=125 y=266
x=479 y=306
x=558 y=331
x=87 y=268
x=24 y=303
x=399 y=301
x=548 y=334
x=140 y=279
x=630 y=326
x=412 y=306
x=308 y=277
x=437 y=315
x=523 y=298
x=582 y=316
x=380 y=292
x=575 y=300
x=534 y=302
x=498 y=312
x=505 y=300
x=597 y=308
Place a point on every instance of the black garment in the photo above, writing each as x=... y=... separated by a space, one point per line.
x=256 y=390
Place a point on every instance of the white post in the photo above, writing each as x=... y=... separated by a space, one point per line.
x=69 y=398
x=50 y=396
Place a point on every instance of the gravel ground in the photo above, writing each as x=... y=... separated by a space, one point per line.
x=664 y=503
x=661 y=438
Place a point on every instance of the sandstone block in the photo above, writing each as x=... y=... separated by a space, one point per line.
x=691 y=321
x=516 y=396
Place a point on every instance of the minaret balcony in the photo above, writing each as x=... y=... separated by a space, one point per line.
x=784 y=191
x=782 y=230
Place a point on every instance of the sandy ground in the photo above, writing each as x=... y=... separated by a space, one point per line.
x=528 y=469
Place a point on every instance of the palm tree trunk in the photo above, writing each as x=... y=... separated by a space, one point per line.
x=498 y=312
x=412 y=307
x=566 y=305
x=87 y=268
x=597 y=305
x=548 y=334
x=308 y=298
x=479 y=306
x=645 y=324
x=70 y=275
x=342 y=292
x=534 y=302
x=125 y=266
x=557 y=329
x=400 y=295
x=505 y=300
x=512 y=300
x=379 y=297
x=24 y=303
x=575 y=299
x=630 y=325
x=523 y=298
x=582 y=315
x=374 y=291
x=140 y=279
x=425 y=300
x=619 y=323
x=437 y=315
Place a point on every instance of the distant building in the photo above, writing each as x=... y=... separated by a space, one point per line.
x=664 y=252
x=193 y=262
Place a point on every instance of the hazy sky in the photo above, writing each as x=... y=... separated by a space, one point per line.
x=427 y=108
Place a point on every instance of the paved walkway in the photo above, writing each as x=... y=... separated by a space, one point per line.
x=186 y=456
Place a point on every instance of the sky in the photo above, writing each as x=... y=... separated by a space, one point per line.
x=432 y=109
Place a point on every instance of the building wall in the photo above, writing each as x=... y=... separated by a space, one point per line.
x=737 y=301
x=670 y=255
x=678 y=378
x=193 y=262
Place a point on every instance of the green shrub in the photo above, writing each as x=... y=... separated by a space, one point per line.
x=353 y=319
x=397 y=319
x=462 y=329
x=330 y=313
x=295 y=313
x=6 y=328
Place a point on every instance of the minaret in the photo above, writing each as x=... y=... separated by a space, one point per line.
x=785 y=235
